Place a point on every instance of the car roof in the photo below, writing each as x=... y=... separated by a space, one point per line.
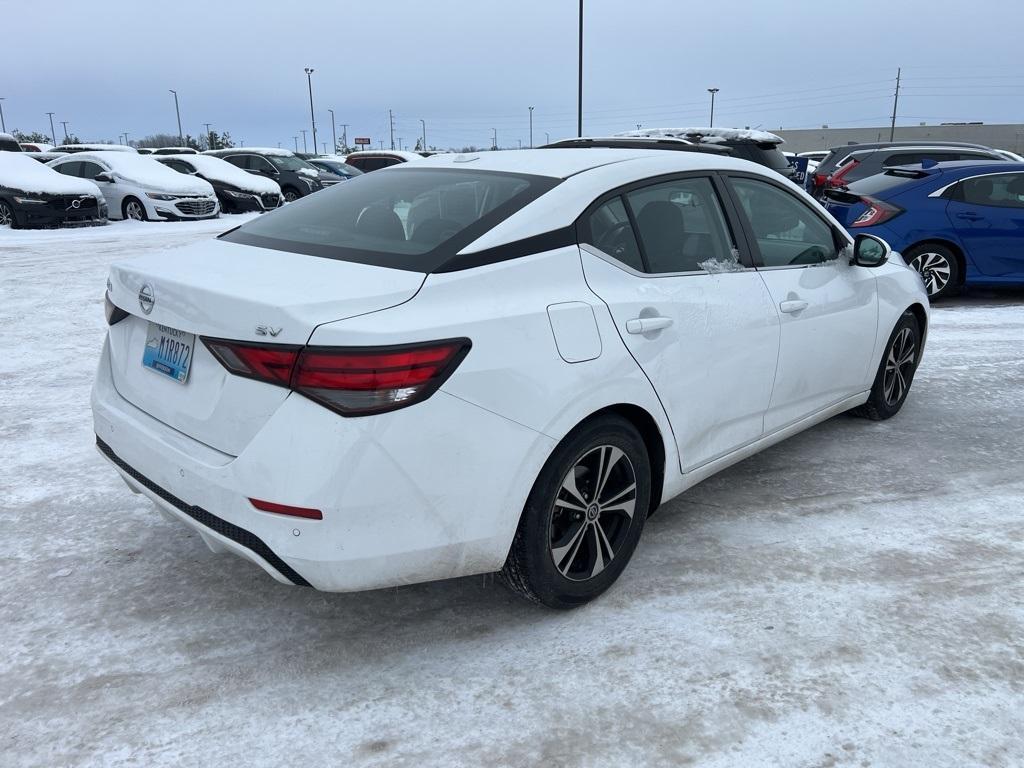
x=927 y=143
x=408 y=156
x=275 y=151
x=957 y=166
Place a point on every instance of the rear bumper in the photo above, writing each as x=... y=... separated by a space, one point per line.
x=428 y=492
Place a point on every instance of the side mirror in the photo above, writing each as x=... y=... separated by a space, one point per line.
x=106 y=176
x=870 y=251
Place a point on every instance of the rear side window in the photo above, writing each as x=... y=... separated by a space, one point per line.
x=413 y=219
x=367 y=164
x=612 y=232
x=1003 y=191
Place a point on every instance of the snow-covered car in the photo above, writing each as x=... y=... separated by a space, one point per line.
x=175 y=151
x=32 y=195
x=236 y=190
x=496 y=361
x=31 y=146
x=367 y=160
x=9 y=144
x=46 y=157
x=295 y=176
x=140 y=188
x=72 y=148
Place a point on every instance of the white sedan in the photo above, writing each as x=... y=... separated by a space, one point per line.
x=494 y=362
x=138 y=187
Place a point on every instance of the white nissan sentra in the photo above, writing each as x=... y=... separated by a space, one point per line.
x=494 y=362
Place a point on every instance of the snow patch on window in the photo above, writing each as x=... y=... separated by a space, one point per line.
x=717 y=266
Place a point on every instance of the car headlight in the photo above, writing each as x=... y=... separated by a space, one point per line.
x=29 y=201
x=158 y=196
x=309 y=181
x=237 y=195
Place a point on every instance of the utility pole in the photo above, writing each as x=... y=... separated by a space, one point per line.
x=305 y=148
x=400 y=144
x=712 y=91
x=391 y=122
x=531 y=127
x=209 y=136
x=296 y=139
x=324 y=145
x=494 y=140
x=65 y=124
x=334 y=134
x=312 y=117
x=127 y=143
x=579 y=98
x=344 y=135
x=3 y=125
x=177 y=111
x=424 y=124
x=895 y=103
x=53 y=133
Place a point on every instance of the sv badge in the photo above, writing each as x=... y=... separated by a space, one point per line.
x=267 y=330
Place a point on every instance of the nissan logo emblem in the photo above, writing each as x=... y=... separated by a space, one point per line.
x=147 y=298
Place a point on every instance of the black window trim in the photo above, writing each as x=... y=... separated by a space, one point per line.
x=839 y=239
x=740 y=238
x=954 y=192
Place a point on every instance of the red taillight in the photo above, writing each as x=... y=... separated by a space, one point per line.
x=284 y=509
x=876 y=213
x=353 y=381
x=837 y=178
x=820 y=179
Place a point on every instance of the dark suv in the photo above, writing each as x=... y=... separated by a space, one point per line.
x=853 y=162
x=8 y=143
x=757 y=146
x=296 y=177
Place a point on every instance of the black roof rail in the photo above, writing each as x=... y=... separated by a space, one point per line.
x=677 y=145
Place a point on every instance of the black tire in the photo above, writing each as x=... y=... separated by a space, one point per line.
x=129 y=205
x=7 y=217
x=290 y=194
x=554 y=528
x=938 y=267
x=895 y=371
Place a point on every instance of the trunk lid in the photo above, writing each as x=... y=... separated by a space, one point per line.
x=233 y=291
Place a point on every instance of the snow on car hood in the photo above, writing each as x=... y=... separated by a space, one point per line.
x=19 y=171
x=148 y=173
x=707 y=135
x=215 y=169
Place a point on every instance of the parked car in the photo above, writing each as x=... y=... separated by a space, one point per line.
x=335 y=165
x=844 y=165
x=373 y=160
x=175 y=151
x=73 y=148
x=9 y=144
x=236 y=190
x=27 y=146
x=140 y=188
x=816 y=155
x=32 y=195
x=45 y=157
x=956 y=223
x=295 y=176
x=571 y=338
x=638 y=142
x=759 y=147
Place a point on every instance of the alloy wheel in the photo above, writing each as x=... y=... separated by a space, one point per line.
x=592 y=513
x=6 y=217
x=134 y=211
x=935 y=270
x=290 y=197
x=899 y=367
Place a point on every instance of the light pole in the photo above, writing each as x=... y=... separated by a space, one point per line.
x=126 y=142
x=312 y=117
x=177 y=112
x=3 y=125
x=579 y=99
x=209 y=136
x=711 y=122
x=531 y=127
x=304 y=147
x=494 y=140
x=424 y=124
x=53 y=133
x=334 y=134
x=296 y=138
x=520 y=143
x=547 y=137
x=65 y=124
x=344 y=135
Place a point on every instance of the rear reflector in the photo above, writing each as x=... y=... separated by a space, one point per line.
x=114 y=313
x=352 y=381
x=283 y=509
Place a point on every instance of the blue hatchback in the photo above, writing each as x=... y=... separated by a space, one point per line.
x=956 y=223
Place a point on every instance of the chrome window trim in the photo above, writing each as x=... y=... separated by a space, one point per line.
x=942 y=190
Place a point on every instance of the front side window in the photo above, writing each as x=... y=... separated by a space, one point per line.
x=89 y=170
x=261 y=164
x=68 y=169
x=282 y=163
x=787 y=231
x=405 y=219
x=1005 y=190
x=612 y=233
x=681 y=226
x=239 y=161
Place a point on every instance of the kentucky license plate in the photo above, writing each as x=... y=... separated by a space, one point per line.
x=168 y=351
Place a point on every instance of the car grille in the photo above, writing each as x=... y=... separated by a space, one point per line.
x=270 y=200
x=196 y=207
x=78 y=209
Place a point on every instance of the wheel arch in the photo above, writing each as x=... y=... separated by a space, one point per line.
x=956 y=248
x=921 y=315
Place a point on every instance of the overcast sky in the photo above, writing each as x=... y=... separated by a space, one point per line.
x=467 y=67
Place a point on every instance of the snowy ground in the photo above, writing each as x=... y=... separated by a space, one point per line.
x=849 y=598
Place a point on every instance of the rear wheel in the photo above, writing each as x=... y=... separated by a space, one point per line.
x=938 y=267
x=895 y=372
x=584 y=516
x=290 y=195
x=133 y=209
x=7 y=215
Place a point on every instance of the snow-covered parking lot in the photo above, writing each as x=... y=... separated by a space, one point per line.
x=850 y=597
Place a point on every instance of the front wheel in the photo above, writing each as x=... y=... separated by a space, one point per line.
x=7 y=215
x=133 y=209
x=938 y=267
x=584 y=516
x=290 y=195
x=895 y=372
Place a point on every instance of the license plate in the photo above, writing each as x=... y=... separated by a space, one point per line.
x=168 y=351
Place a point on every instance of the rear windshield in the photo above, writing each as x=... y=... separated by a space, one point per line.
x=413 y=219
x=882 y=182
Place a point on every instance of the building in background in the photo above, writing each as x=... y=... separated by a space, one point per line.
x=1007 y=136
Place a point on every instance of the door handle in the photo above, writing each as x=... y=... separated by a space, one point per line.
x=970 y=216
x=793 y=305
x=640 y=325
